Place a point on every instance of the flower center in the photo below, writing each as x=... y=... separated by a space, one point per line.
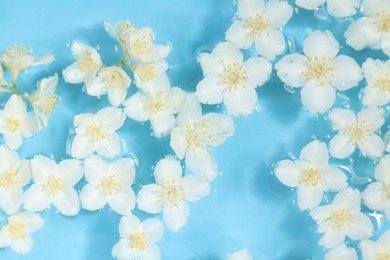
x=141 y=46
x=126 y=26
x=382 y=256
x=110 y=185
x=358 y=132
x=17 y=229
x=257 y=24
x=157 y=103
x=233 y=75
x=387 y=191
x=114 y=80
x=139 y=241
x=96 y=132
x=171 y=195
x=340 y=219
x=9 y=179
x=383 y=83
x=311 y=176
x=148 y=73
x=198 y=135
x=46 y=104
x=16 y=49
x=86 y=62
x=383 y=24
x=320 y=70
x=54 y=185
x=13 y=124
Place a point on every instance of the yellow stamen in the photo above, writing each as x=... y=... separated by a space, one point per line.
x=158 y=103
x=110 y=185
x=86 y=62
x=13 y=124
x=311 y=177
x=17 y=229
x=96 y=132
x=148 y=73
x=126 y=26
x=171 y=195
x=233 y=75
x=257 y=24
x=141 y=46
x=16 y=49
x=114 y=80
x=340 y=219
x=383 y=24
x=382 y=256
x=320 y=70
x=139 y=241
x=54 y=185
x=383 y=83
x=9 y=179
x=358 y=132
x=198 y=135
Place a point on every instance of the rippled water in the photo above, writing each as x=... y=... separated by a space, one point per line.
x=248 y=206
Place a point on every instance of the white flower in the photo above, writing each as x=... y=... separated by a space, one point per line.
x=337 y=8
x=311 y=174
x=138 y=239
x=342 y=218
x=147 y=76
x=195 y=134
x=15 y=123
x=86 y=65
x=97 y=132
x=241 y=255
x=373 y=30
x=377 y=74
x=14 y=175
x=140 y=47
x=171 y=193
x=259 y=26
x=376 y=250
x=117 y=31
x=356 y=132
x=44 y=100
x=2 y=81
x=17 y=58
x=341 y=252
x=377 y=194
x=229 y=79
x=53 y=184
x=319 y=71
x=108 y=184
x=158 y=105
x=112 y=81
x=16 y=233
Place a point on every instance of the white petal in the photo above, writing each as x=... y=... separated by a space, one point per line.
x=342 y=8
x=291 y=69
x=124 y=170
x=71 y=171
x=168 y=168
x=240 y=101
x=347 y=73
x=82 y=147
x=332 y=238
x=278 y=13
x=333 y=179
x=341 y=118
x=162 y=123
x=42 y=167
x=321 y=44
x=178 y=142
x=372 y=7
x=382 y=169
x=121 y=250
x=219 y=126
x=258 y=71
x=227 y=53
x=202 y=163
x=375 y=97
x=117 y=96
x=11 y=199
x=176 y=98
x=315 y=152
x=194 y=188
x=321 y=213
x=348 y=199
x=67 y=202
x=22 y=246
x=191 y=111
x=361 y=227
x=95 y=86
x=73 y=74
x=373 y=69
x=247 y=8
x=240 y=255
x=374 y=198
x=318 y=99
x=210 y=65
x=96 y=168
x=15 y=105
x=288 y=173
x=151 y=253
x=309 y=4
x=341 y=253
x=153 y=229
x=176 y=217
x=32 y=220
x=372 y=116
x=362 y=33
x=147 y=199
x=210 y=91
x=13 y=140
x=112 y=116
x=385 y=43
x=341 y=147
x=91 y=198
x=109 y=146
x=239 y=34
x=369 y=249
x=309 y=197
x=270 y=43
x=372 y=147
x=122 y=203
x=129 y=225
x=36 y=199
x=135 y=108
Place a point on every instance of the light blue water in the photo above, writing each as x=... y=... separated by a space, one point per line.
x=248 y=207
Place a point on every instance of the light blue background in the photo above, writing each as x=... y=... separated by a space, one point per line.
x=248 y=207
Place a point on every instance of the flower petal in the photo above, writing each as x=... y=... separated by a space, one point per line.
x=91 y=198
x=15 y=105
x=372 y=147
x=121 y=250
x=11 y=199
x=309 y=197
x=42 y=167
x=240 y=101
x=382 y=169
x=122 y=203
x=344 y=8
x=219 y=126
x=176 y=217
x=341 y=252
x=372 y=116
x=291 y=69
x=168 y=168
x=247 y=8
x=202 y=164
x=96 y=168
x=109 y=146
x=227 y=53
x=340 y=146
x=128 y=225
x=210 y=91
x=178 y=142
x=258 y=71
x=239 y=34
x=153 y=229
x=135 y=108
x=71 y=171
x=148 y=198
x=194 y=188
x=321 y=44
x=117 y=96
x=348 y=199
x=82 y=147
x=375 y=97
x=360 y=228
x=332 y=238
x=36 y=199
x=270 y=43
x=124 y=170
x=288 y=173
x=112 y=116
x=278 y=13
x=362 y=33
x=341 y=118
x=67 y=202
x=13 y=140
x=373 y=196
x=315 y=152
x=191 y=111
x=385 y=43
x=210 y=65
x=309 y=4
x=347 y=73
x=162 y=123
x=333 y=179
x=318 y=99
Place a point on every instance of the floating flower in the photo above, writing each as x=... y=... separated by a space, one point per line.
x=311 y=174
x=18 y=58
x=241 y=255
x=194 y=135
x=138 y=239
x=336 y=8
x=44 y=100
x=16 y=233
x=53 y=184
x=377 y=194
x=373 y=30
x=14 y=175
x=377 y=74
x=171 y=193
x=341 y=252
x=2 y=81
x=342 y=218
x=97 y=132
x=147 y=76
x=108 y=184
x=319 y=71
x=229 y=79
x=112 y=81
x=15 y=123
x=158 y=105
x=259 y=25
x=86 y=65
x=356 y=132
x=140 y=47
x=376 y=250
x=117 y=31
